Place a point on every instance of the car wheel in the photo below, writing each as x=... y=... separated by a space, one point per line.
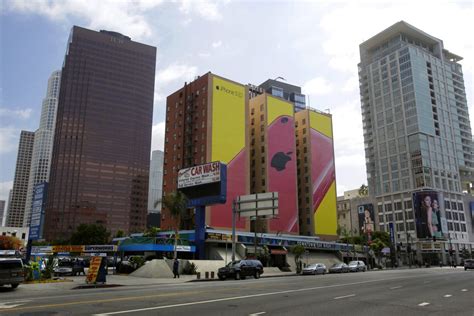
x=257 y=275
x=237 y=275
x=465 y=269
x=15 y=285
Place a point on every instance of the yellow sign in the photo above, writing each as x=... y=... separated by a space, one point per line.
x=68 y=248
x=93 y=269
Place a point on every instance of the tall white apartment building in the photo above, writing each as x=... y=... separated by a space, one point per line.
x=418 y=142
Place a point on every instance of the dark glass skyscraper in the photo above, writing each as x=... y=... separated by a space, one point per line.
x=101 y=152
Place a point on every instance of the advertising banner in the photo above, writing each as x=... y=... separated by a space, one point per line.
x=366 y=218
x=392 y=233
x=37 y=211
x=428 y=217
x=93 y=270
x=471 y=207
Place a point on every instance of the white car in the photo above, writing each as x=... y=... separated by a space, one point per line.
x=357 y=265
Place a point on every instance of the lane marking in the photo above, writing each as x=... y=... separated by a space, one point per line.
x=448 y=295
x=259 y=313
x=426 y=282
x=345 y=296
x=200 y=292
x=464 y=290
x=13 y=304
x=395 y=287
x=423 y=304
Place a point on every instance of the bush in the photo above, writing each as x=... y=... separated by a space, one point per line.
x=28 y=273
x=190 y=268
x=137 y=261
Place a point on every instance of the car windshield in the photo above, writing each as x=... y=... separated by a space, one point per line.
x=232 y=263
x=314 y=265
x=353 y=263
x=6 y=265
x=337 y=265
x=65 y=264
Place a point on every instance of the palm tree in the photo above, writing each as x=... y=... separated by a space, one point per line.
x=363 y=190
x=177 y=204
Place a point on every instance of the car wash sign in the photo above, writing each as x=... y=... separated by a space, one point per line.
x=204 y=184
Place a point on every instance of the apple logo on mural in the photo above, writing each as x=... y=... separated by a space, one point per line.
x=280 y=159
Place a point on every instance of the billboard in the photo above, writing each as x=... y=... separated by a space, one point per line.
x=323 y=174
x=281 y=163
x=37 y=211
x=471 y=207
x=204 y=184
x=428 y=217
x=199 y=175
x=228 y=140
x=366 y=216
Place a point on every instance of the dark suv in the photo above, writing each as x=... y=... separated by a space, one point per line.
x=240 y=269
x=468 y=264
x=11 y=272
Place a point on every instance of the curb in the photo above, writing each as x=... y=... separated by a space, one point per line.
x=262 y=277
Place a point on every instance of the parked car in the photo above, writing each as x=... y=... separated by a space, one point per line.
x=11 y=272
x=69 y=268
x=356 y=266
x=468 y=264
x=240 y=269
x=315 y=268
x=339 y=268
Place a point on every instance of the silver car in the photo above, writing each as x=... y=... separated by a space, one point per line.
x=315 y=268
x=339 y=268
x=356 y=266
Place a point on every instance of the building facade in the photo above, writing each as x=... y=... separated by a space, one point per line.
x=273 y=159
x=285 y=91
x=101 y=152
x=316 y=174
x=17 y=202
x=207 y=120
x=418 y=140
x=2 y=211
x=43 y=144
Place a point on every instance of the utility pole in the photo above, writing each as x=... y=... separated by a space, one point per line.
x=233 y=229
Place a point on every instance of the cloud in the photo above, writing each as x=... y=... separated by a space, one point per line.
x=5 y=188
x=175 y=71
x=216 y=44
x=127 y=17
x=158 y=136
x=8 y=139
x=206 y=9
x=317 y=86
x=22 y=114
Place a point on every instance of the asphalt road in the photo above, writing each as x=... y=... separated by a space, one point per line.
x=433 y=291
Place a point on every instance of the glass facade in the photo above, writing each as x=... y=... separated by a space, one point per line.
x=417 y=133
x=101 y=153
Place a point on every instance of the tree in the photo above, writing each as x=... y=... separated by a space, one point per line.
x=177 y=204
x=377 y=245
x=383 y=236
x=363 y=190
x=298 y=251
x=90 y=234
x=119 y=234
x=10 y=243
x=152 y=231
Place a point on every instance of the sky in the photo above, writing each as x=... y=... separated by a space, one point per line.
x=313 y=44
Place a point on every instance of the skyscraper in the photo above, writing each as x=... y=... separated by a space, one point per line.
x=418 y=140
x=16 y=205
x=101 y=152
x=155 y=188
x=43 y=145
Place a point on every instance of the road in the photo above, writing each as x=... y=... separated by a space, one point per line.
x=434 y=291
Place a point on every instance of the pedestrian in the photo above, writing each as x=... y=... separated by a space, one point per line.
x=176 y=268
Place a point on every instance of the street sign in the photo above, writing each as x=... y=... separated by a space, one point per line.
x=260 y=204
